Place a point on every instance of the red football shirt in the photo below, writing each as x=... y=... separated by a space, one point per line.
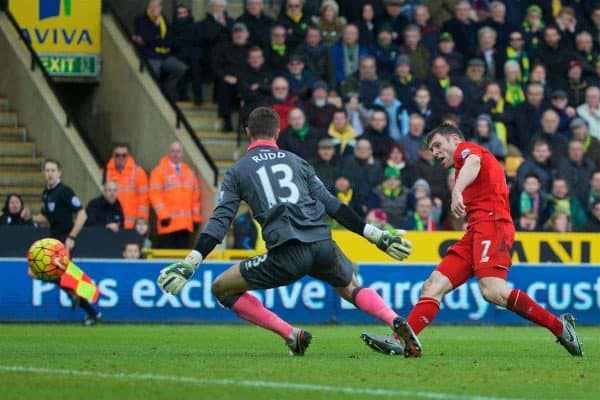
x=486 y=198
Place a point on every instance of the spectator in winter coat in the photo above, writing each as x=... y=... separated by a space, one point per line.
x=14 y=212
x=259 y=24
x=299 y=138
x=346 y=53
x=105 y=210
x=484 y=135
x=155 y=41
x=396 y=111
x=187 y=47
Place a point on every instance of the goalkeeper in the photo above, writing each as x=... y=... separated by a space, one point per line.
x=290 y=203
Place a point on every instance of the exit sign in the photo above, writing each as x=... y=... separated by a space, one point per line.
x=71 y=65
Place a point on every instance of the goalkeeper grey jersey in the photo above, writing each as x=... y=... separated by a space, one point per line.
x=285 y=195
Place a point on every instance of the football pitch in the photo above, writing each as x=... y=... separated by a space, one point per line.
x=244 y=362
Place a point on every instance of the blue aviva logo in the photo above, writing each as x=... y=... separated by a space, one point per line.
x=51 y=8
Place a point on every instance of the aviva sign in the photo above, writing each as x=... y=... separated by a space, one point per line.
x=65 y=33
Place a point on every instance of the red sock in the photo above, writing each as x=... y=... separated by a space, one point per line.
x=370 y=302
x=251 y=309
x=520 y=303
x=423 y=313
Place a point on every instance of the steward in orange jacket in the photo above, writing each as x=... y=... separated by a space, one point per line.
x=175 y=197
x=132 y=185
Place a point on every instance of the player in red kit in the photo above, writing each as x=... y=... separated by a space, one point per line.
x=481 y=194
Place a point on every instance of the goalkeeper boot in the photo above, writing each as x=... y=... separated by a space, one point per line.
x=386 y=344
x=403 y=331
x=299 y=342
x=569 y=338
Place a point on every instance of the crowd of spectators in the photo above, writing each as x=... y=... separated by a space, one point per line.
x=357 y=84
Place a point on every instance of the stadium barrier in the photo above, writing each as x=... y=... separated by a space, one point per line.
x=129 y=294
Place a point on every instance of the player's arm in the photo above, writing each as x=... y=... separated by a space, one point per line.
x=174 y=277
x=392 y=243
x=466 y=176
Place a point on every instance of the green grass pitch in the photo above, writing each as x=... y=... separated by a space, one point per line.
x=244 y=362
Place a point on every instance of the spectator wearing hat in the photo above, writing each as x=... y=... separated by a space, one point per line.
x=315 y=54
x=393 y=17
x=319 y=111
x=554 y=56
x=579 y=130
x=278 y=50
x=397 y=111
x=326 y=163
x=473 y=80
x=385 y=52
x=419 y=55
x=576 y=83
x=377 y=133
x=367 y=27
x=299 y=137
x=412 y=142
x=343 y=134
x=533 y=28
x=590 y=110
x=215 y=28
x=229 y=62
x=549 y=132
x=576 y=169
x=365 y=82
x=429 y=30
x=445 y=48
x=255 y=83
x=346 y=54
x=294 y=21
x=404 y=81
x=378 y=218
x=559 y=102
x=300 y=78
x=329 y=22
x=155 y=41
x=258 y=22
x=390 y=196
x=484 y=135
x=462 y=27
x=515 y=51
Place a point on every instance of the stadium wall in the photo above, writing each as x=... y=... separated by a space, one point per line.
x=129 y=294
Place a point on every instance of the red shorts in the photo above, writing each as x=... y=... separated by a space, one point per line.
x=484 y=251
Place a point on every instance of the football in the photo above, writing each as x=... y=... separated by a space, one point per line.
x=48 y=258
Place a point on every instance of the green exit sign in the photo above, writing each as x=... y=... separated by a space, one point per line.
x=72 y=65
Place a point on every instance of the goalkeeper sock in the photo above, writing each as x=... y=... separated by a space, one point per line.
x=520 y=303
x=89 y=309
x=251 y=309
x=367 y=300
x=423 y=313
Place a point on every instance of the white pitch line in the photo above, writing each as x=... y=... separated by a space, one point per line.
x=250 y=383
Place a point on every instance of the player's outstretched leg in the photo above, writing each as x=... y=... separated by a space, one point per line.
x=367 y=300
x=230 y=289
x=495 y=291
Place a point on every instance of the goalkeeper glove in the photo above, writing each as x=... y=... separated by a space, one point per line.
x=174 y=277
x=393 y=243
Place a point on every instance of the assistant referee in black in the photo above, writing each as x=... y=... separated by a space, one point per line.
x=59 y=203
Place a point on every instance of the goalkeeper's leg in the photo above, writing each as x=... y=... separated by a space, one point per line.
x=230 y=288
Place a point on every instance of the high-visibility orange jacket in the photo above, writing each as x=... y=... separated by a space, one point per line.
x=132 y=186
x=175 y=196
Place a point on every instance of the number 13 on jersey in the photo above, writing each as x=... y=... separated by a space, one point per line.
x=278 y=187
